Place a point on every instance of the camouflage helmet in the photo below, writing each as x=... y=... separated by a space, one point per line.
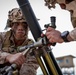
x=15 y=15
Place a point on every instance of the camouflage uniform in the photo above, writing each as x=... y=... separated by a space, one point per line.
x=8 y=46
x=70 y=5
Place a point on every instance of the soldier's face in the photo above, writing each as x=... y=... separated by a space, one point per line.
x=20 y=30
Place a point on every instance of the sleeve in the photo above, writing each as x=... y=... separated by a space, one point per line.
x=3 y=57
x=2 y=54
x=30 y=66
x=73 y=34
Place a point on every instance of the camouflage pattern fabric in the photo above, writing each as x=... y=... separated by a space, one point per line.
x=73 y=34
x=30 y=66
x=69 y=5
x=15 y=15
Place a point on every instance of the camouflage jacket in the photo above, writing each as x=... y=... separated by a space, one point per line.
x=7 y=46
x=73 y=34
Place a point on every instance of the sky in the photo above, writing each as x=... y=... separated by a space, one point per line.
x=63 y=22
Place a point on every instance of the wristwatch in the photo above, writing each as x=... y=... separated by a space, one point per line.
x=64 y=36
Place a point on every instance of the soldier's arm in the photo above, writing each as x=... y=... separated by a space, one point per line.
x=31 y=65
x=2 y=54
x=72 y=35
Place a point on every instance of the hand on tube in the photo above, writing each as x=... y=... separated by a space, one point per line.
x=53 y=35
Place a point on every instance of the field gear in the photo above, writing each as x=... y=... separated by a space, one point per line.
x=9 y=46
x=15 y=15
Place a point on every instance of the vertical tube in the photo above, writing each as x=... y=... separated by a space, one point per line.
x=36 y=31
x=30 y=18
